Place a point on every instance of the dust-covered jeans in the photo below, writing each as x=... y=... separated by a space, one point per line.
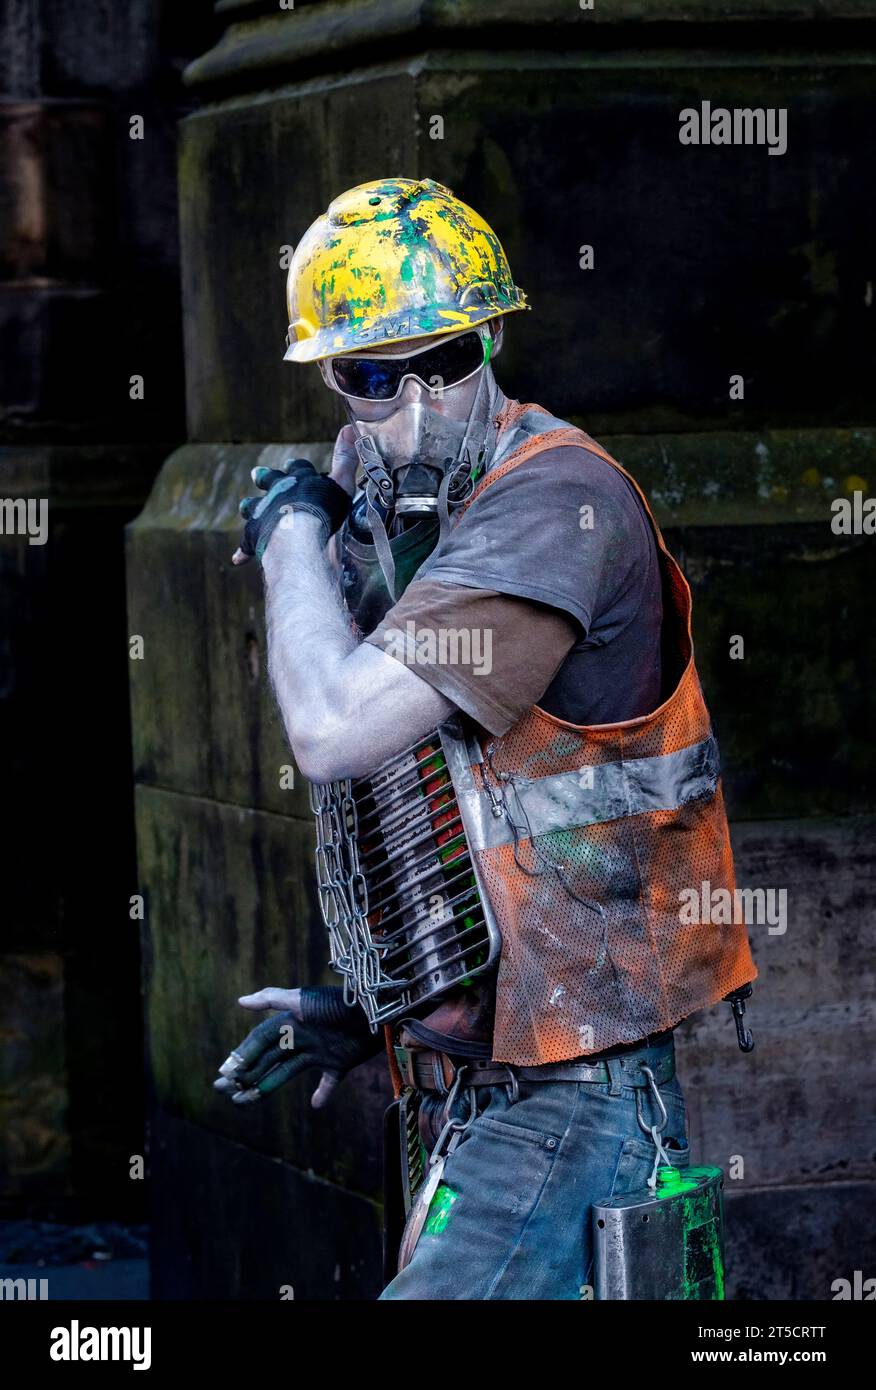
x=515 y=1222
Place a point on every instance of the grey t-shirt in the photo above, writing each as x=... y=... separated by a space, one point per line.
x=566 y=531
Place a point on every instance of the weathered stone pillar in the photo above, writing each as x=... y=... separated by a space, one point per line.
x=561 y=125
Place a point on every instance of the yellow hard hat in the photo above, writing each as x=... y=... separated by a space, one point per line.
x=390 y=260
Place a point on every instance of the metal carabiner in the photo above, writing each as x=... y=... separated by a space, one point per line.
x=435 y=1169
x=451 y=1097
x=512 y=1086
x=655 y=1131
x=649 y=1129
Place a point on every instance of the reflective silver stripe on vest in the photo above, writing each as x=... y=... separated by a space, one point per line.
x=565 y=800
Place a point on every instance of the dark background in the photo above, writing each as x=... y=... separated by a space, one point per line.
x=161 y=257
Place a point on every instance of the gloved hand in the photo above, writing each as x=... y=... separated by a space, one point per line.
x=315 y=1029
x=297 y=488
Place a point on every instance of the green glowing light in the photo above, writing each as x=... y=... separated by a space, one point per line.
x=439 y=1210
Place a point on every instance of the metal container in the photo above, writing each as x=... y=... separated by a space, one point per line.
x=665 y=1245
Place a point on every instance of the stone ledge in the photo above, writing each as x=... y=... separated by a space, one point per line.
x=705 y=478
x=112 y=475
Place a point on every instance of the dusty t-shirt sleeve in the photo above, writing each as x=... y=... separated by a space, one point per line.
x=492 y=654
x=563 y=528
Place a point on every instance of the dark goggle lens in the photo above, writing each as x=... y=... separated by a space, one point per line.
x=378 y=378
x=450 y=362
x=373 y=378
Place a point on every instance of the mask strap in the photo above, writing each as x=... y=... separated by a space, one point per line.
x=373 y=466
x=443 y=508
x=464 y=459
x=475 y=413
x=380 y=538
x=378 y=489
x=381 y=542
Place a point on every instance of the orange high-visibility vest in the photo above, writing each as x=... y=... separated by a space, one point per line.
x=588 y=841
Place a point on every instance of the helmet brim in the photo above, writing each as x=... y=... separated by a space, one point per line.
x=430 y=321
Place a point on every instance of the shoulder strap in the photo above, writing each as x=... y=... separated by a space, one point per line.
x=511 y=412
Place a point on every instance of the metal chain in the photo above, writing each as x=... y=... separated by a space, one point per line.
x=343 y=894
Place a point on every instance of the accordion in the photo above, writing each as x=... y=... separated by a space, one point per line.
x=399 y=889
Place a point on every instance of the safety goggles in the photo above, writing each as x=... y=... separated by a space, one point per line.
x=448 y=363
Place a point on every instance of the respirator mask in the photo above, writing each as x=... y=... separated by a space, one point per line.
x=424 y=428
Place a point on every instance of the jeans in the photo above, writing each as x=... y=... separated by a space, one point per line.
x=525 y=1176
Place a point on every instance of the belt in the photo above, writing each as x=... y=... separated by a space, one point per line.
x=426 y=1070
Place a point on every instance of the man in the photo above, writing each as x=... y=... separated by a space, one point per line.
x=488 y=675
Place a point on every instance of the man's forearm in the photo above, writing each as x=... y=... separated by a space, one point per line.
x=309 y=634
x=347 y=707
